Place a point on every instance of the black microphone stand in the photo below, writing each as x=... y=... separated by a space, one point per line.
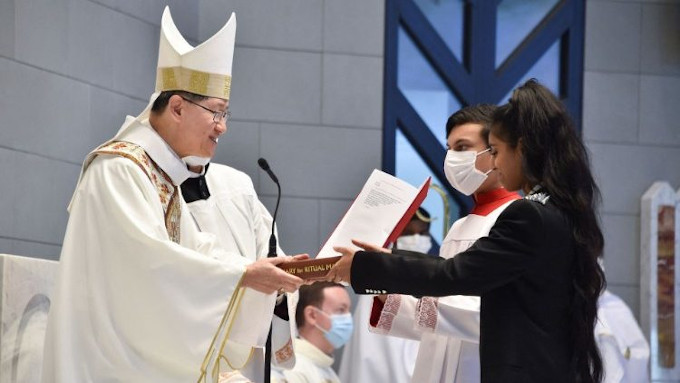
x=272 y=253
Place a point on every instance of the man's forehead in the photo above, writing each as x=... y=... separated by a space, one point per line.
x=466 y=138
x=335 y=295
x=470 y=130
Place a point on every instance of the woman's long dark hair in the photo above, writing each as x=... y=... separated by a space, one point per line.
x=554 y=156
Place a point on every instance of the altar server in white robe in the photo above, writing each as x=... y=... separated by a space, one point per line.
x=223 y=201
x=448 y=327
x=624 y=349
x=369 y=357
x=142 y=295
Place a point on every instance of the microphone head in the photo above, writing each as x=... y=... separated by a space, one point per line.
x=263 y=164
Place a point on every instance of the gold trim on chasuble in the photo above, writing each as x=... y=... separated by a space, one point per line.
x=169 y=197
x=214 y=355
x=167 y=192
x=193 y=81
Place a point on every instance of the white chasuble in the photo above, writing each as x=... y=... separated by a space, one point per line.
x=131 y=305
x=623 y=347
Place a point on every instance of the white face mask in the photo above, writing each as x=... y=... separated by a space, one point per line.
x=415 y=242
x=460 y=171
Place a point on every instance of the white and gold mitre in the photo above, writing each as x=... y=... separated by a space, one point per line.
x=205 y=69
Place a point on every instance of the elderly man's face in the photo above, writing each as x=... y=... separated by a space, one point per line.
x=198 y=133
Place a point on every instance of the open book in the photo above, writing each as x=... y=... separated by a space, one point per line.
x=378 y=215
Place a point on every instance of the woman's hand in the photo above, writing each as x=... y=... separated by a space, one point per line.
x=340 y=272
x=370 y=247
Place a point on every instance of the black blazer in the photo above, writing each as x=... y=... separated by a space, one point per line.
x=522 y=271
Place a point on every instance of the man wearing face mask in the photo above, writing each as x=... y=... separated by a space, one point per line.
x=324 y=324
x=448 y=327
x=366 y=350
x=416 y=235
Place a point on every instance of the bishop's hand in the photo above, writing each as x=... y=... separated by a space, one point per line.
x=263 y=275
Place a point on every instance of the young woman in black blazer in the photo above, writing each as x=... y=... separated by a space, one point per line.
x=537 y=272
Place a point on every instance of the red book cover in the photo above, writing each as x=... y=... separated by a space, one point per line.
x=401 y=225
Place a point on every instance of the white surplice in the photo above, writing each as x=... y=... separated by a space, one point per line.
x=131 y=305
x=312 y=366
x=243 y=226
x=624 y=349
x=447 y=327
x=369 y=357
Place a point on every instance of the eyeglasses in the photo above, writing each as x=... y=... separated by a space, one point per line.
x=217 y=116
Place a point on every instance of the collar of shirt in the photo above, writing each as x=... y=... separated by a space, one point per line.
x=142 y=134
x=309 y=350
x=487 y=202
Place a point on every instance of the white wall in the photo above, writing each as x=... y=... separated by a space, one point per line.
x=69 y=72
x=307 y=96
x=630 y=124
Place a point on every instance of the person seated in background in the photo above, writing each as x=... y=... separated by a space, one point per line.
x=324 y=324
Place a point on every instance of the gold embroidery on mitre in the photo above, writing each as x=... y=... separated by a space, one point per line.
x=198 y=82
x=168 y=78
x=194 y=81
x=227 y=87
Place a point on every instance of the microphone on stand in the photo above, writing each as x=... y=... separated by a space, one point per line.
x=264 y=165
x=272 y=253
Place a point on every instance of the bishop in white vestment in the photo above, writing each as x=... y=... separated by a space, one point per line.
x=142 y=295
